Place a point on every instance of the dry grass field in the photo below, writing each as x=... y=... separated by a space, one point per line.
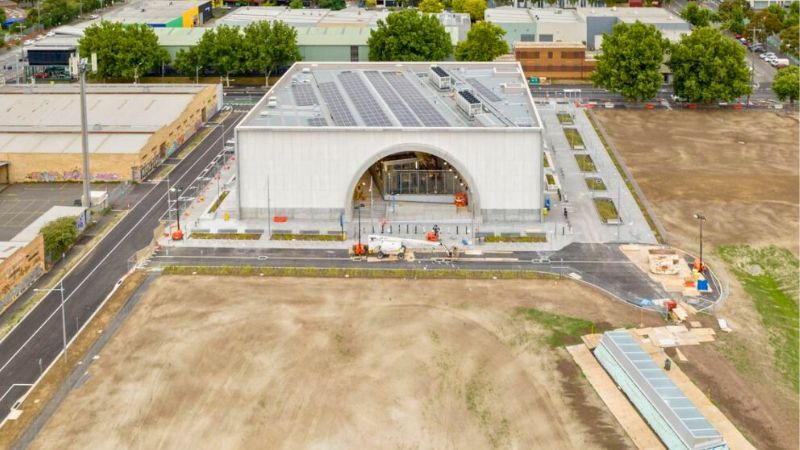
x=225 y=362
x=740 y=169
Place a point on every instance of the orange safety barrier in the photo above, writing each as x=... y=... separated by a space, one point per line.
x=460 y=199
x=650 y=106
x=692 y=106
x=431 y=236
x=738 y=106
x=280 y=219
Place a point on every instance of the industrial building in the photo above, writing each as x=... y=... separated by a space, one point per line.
x=554 y=60
x=665 y=408
x=581 y=25
x=460 y=141
x=22 y=258
x=132 y=128
x=162 y=14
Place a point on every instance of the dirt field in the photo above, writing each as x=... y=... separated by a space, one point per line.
x=300 y=363
x=740 y=169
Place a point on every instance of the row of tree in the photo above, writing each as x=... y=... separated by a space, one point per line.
x=738 y=17
x=125 y=51
x=409 y=35
x=706 y=66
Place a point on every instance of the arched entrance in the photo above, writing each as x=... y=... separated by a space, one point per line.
x=413 y=182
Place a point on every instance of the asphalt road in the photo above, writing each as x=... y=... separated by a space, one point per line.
x=38 y=338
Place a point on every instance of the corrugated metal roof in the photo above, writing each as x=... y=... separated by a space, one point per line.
x=670 y=402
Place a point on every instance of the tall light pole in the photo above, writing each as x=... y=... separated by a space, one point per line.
x=63 y=316
x=82 y=67
x=701 y=218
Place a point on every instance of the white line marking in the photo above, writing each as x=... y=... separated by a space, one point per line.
x=107 y=254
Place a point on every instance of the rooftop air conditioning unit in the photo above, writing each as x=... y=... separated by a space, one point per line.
x=306 y=70
x=440 y=78
x=272 y=103
x=513 y=88
x=469 y=103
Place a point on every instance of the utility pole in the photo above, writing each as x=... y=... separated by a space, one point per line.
x=701 y=218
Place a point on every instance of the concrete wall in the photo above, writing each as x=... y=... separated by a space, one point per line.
x=597 y=26
x=562 y=31
x=332 y=52
x=22 y=266
x=313 y=172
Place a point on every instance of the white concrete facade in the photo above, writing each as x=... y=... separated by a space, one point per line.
x=287 y=167
x=312 y=173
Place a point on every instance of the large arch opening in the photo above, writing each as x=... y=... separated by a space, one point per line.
x=413 y=184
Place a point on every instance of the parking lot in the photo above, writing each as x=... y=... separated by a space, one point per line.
x=21 y=204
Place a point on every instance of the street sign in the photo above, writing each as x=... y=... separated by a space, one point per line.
x=534 y=80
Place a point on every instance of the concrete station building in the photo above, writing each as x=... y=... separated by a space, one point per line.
x=132 y=128
x=460 y=141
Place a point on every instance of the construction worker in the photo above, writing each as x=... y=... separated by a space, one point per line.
x=436 y=231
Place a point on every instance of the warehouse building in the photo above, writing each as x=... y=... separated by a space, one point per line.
x=132 y=128
x=453 y=139
x=162 y=14
x=665 y=408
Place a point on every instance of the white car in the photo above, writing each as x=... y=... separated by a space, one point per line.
x=28 y=42
x=767 y=55
x=50 y=33
x=94 y=16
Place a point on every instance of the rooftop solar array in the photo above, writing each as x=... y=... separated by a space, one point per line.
x=336 y=105
x=469 y=97
x=369 y=109
x=659 y=389
x=429 y=116
x=401 y=95
x=304 y=95
x=439 y=71
x=486 y=92
x=392 y=100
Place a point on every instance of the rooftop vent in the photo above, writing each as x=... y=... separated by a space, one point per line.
x=513 y=88
x=440 y=78
x=272 y=103
x=468 y=103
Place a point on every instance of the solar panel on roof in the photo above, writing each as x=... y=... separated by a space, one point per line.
x=317 y=122
x=369 y=109
x=486 y=92
x=439 y=71
x=426 y=113
x=469 y=97
x=338 y=108
x=304 y=95
x=393 y=101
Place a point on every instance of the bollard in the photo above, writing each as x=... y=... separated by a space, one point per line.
x=456 y=229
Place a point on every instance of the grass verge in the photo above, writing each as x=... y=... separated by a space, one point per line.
x=340 y=272
x=595 y=184
x=628 y=182
x=226 y=236
x=585 y=163
x=574 y=139
x=565 y=119
x=561 y=330
x=306 y=237
x=769 y=275
x=606 y=209
x=531 y=238
x=545 y=160
x=551 y=180
x=218 y=202
x=40 y=396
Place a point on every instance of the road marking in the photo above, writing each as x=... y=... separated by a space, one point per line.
x=27 y=341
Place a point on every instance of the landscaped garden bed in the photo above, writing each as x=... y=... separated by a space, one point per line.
x=565 y=119
x=595 y=184
x=607 y=210
x=585 y=163
x=306 y=237
x=226 y=236
x=574 y=138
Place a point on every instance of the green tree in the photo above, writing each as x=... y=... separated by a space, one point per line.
x=269 y=46
x=708 y=67
x=697 y=16
x=57 y=12
x=58 y=236
x=763 y=24
x=332 y=4
x=786 y=83
x=733 y=13
x=296 y=4
x=630 y=61
x=408 y=35
x=484 y=43
x=475 y=8
x=188 y=62
x=370 y=4
x=122 y=51
x=223 y=50
x=2 y=16
x=430 y=6
x=778 y=11
x=790 y=38
x=793 y=17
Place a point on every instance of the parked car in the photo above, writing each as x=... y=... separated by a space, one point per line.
x=767 y=55
x=94 y=16
x=40 y=75
x=50 y=33
x=780 y=62
x=28 y=42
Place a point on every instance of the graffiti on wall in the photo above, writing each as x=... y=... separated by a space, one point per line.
x=68 y=175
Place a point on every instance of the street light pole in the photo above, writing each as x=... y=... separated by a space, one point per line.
x=701 y=218
x=752 y=66
x=197 y=75
x=63 y=317
x=86 y=199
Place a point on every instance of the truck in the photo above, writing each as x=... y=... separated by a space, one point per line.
x=382 y=246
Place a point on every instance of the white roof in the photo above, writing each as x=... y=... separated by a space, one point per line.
x=46 y=119
x=29 y=233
